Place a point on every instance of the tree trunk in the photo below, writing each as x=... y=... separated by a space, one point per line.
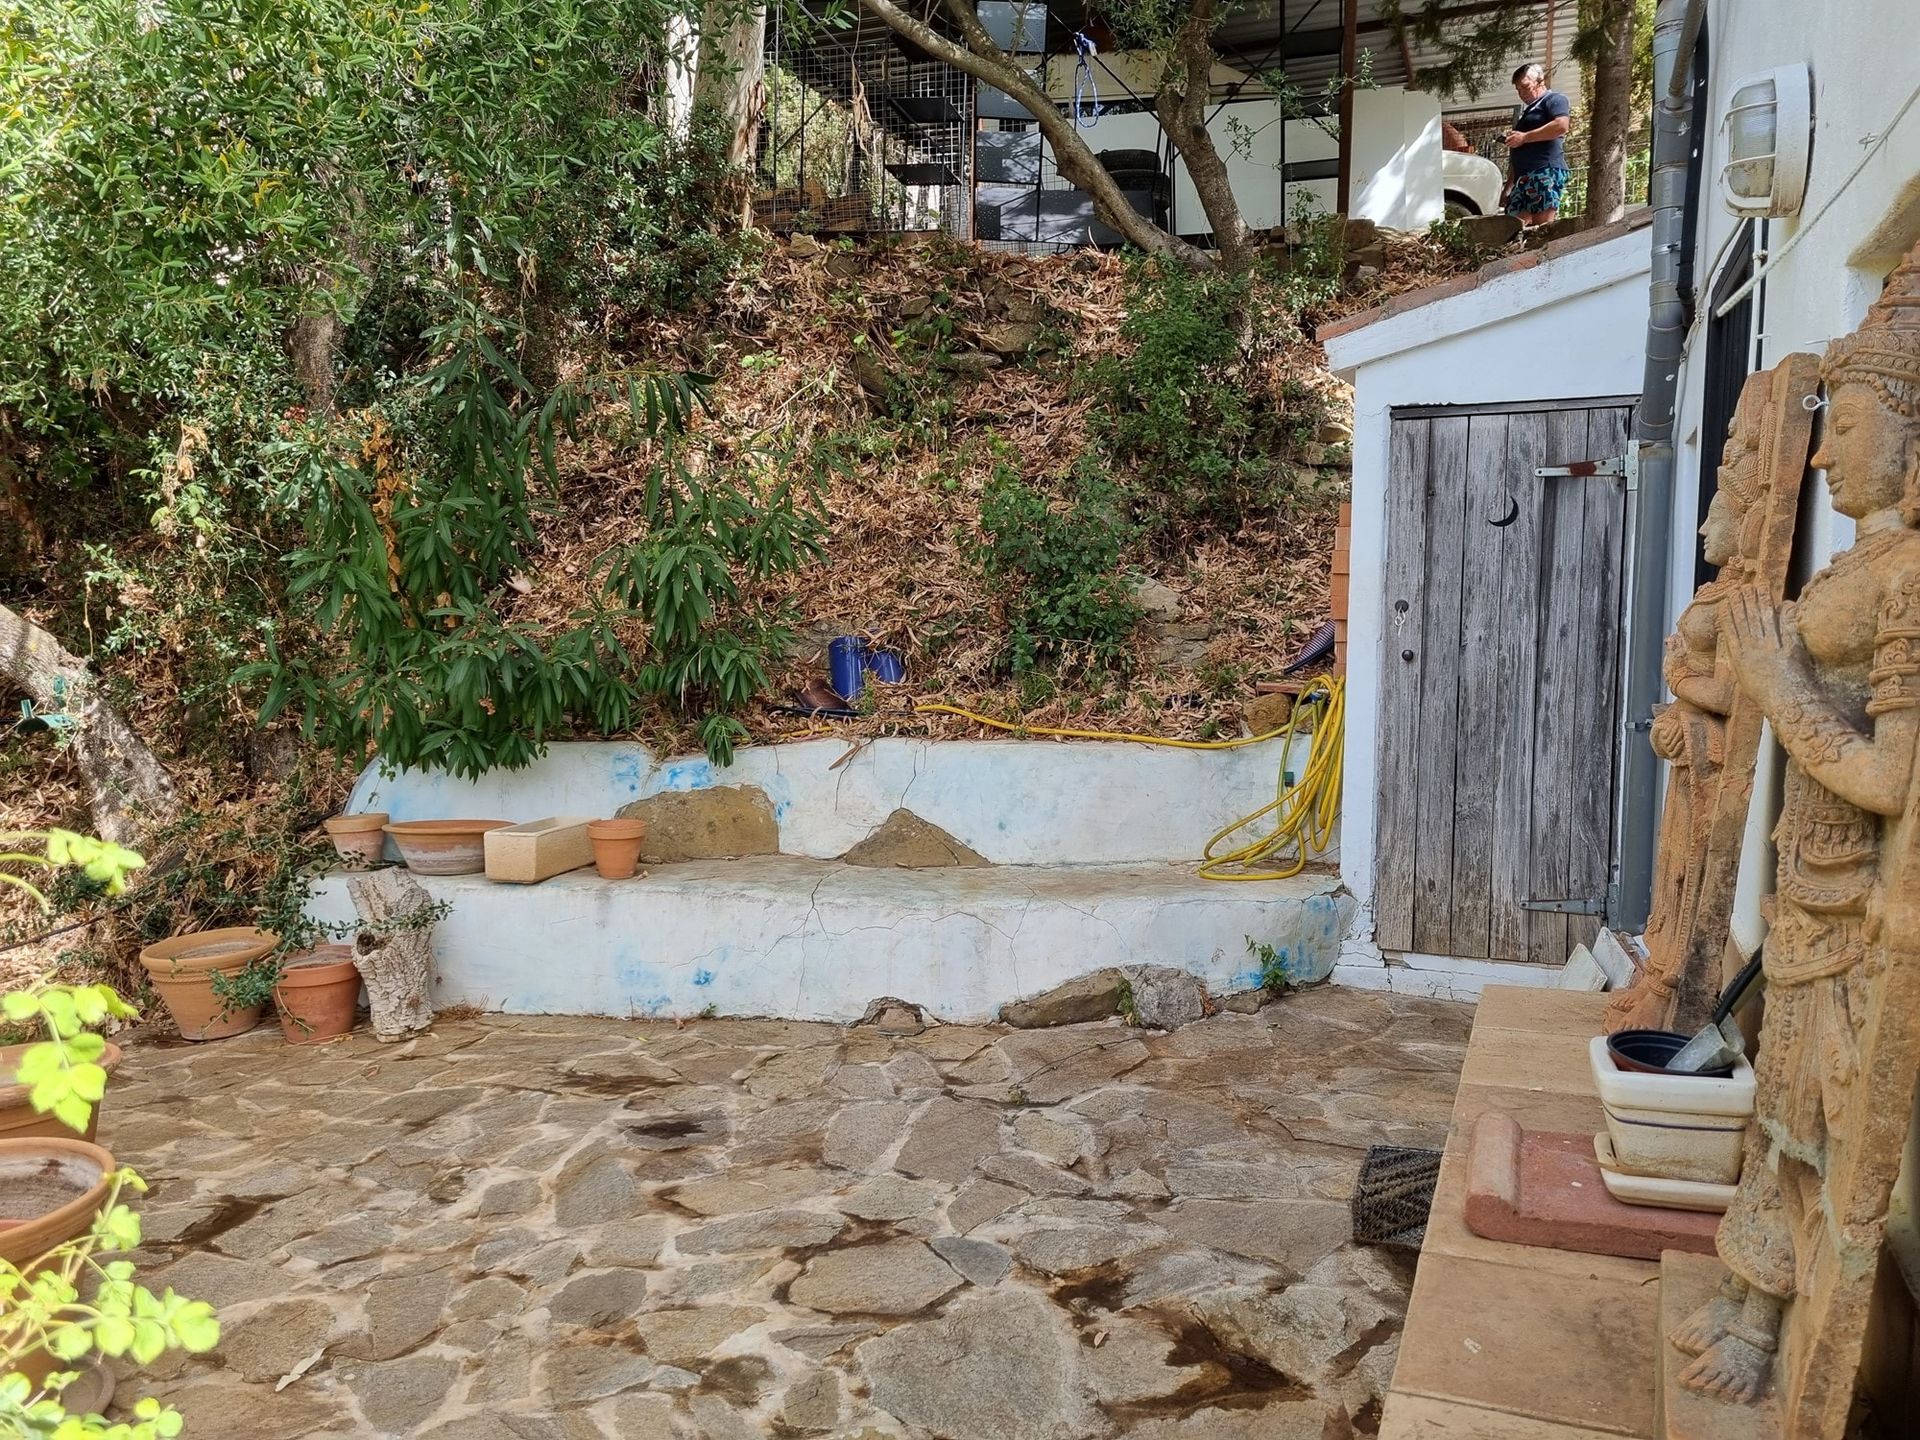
x=730 y=78
x=128 y=790
x=1612 y=76
x=1181 y=103
x=393 y=953
x=984 y=60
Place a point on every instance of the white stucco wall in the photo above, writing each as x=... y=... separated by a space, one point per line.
x=1568 y=329
x=1015 y=802
x=1849 y=233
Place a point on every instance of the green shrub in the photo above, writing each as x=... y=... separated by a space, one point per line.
x=1054 y=565
x=1191 y=416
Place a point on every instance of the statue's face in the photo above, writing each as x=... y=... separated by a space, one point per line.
x=1864 y=451
x=1720 y=534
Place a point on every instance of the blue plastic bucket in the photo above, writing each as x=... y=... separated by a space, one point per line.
x=886 y=666
x=846 y=659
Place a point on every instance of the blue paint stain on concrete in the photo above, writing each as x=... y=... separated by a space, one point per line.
x=703 y=977
x=685 y=775
x=1246 y=980
x=626 y=771
x=779 y=790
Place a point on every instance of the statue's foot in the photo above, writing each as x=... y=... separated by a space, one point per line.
x=1733 y=1370
x=1705 y=1327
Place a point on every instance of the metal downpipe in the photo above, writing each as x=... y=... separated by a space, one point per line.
x=1676 y=29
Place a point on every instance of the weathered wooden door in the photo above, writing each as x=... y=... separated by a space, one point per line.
x=1499 y=680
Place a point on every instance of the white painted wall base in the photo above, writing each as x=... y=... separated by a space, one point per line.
x=1437 y=977
x=818 y=940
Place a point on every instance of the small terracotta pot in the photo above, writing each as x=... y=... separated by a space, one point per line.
x=19 y=1120
x=616 y=846
x=317 y=995
x=444 y=847
x=50 y=1190
x=359 y=839
x=182 y=970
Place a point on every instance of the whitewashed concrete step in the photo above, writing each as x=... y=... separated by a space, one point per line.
x=812 y=939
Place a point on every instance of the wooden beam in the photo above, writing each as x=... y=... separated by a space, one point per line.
x=1349 y=63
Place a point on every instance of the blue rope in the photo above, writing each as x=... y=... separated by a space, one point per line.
x=1085 y=118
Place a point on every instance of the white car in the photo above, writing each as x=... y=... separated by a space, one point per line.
x=1472 y=184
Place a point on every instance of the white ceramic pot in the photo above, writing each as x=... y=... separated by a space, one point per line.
x=1676 y=1127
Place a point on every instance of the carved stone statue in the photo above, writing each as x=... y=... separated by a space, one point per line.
x=1710 y=735
x=1838 y=675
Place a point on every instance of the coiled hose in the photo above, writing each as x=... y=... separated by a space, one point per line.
x=1303 y=812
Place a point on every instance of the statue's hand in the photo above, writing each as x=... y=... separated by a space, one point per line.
x=1764 y=645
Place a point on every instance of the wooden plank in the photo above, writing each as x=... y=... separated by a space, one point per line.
x=1397 y=748
x=1477 y=734
x=1596 y=702
x=1557 y=684
x=1510 y=878
x=1439 y=686
x=1506 y=407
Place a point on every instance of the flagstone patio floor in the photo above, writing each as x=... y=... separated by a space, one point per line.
x=517 y=1228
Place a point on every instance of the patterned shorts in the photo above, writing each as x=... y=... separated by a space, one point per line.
x=1537 y=191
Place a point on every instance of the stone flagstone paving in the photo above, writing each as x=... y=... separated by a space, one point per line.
x=546 y=1228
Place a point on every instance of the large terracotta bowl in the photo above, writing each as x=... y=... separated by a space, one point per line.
x=182 y=971
x=443 y=847
x=50 y=1190
x=19 y=1120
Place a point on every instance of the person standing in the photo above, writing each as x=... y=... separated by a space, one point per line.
x=1537 y=173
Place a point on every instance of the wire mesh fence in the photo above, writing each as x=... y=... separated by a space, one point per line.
x=859 y=136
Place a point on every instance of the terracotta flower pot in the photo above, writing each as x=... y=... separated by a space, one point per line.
x=443 y=847
x=359 y=839
x=19 y=1120
x=182 y=970
x=616 y=846
x=317 y=995
x=50 y=1190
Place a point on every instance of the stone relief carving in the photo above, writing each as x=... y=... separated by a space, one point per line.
x=1838 y=674
x=1711 y=733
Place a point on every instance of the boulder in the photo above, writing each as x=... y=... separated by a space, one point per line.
x=1011 y=339
x=722 y=822
x=1157 y=601
x=1164 y=998
x=1085 y=997
x=803 y=247
x=1490 y=231
x=1267 y=713
x=905 y=841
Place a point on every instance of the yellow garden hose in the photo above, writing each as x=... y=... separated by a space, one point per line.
x=1304 y=812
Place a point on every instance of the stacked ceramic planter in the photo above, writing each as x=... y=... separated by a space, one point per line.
x=1672 y=1139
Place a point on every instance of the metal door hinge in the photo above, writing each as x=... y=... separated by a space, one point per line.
x=1580 y=469
x=1567 y=907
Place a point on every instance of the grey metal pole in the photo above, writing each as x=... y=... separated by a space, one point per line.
x=1676 y=28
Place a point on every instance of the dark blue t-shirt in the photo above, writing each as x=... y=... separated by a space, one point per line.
x=1542 y=154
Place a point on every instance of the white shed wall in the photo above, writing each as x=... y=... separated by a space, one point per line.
x=1570 y=329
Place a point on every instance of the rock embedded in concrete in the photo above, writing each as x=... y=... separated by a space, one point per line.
x=580 y=1374
x=599 y=1299
x=949 y=1139
x=979 y=1201
x=1300 y=1332
x=397 y=1395
x=889 y=1197
x=982 y=1262
x=860 y=1134
x=1061 y=1252
x=401 y=1312
x=905 y=841
x=1088 y=997
x=1002 y=1367
x=721 y=822
x=812 y=1402
x=1294 y=1234
x=277 y=1338
x=896 y=1277
x=762 y=1230
x=592 y=1188
x=688 y=1337
x=734 y=1192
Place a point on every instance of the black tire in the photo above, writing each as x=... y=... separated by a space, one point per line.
x=1459 y=206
